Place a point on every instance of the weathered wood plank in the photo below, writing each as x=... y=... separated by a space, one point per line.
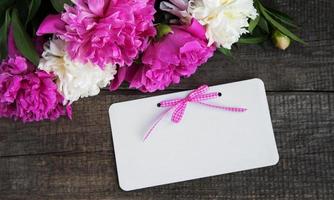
x=299 y=68
x=303 y=125
x=89 y=130
x=75 y=160
x=304 y=131
x=93 y=176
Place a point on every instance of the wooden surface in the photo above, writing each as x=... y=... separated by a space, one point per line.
x=75 y=159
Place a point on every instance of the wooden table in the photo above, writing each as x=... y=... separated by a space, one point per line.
x=75 y=159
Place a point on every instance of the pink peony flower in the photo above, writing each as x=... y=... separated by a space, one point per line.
x=105 y=31
x=27 y=95
x=177 y=55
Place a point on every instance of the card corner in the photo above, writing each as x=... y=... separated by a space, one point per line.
x=276 y=159
x=124 y=187
x=112 y=107
x=258 y=81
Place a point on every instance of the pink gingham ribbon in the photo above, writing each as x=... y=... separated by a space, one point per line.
x=180 y=104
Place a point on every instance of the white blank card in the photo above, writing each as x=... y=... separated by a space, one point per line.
x=206 y=142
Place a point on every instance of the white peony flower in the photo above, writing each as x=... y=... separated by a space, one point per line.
x=74 y=79
x=225 y=20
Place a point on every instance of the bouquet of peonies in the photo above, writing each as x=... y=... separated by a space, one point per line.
x=56 y=52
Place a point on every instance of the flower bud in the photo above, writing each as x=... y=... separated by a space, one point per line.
x=163 y=29
x=280 y=40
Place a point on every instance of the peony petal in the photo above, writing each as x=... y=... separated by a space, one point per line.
x=29 y=96
x=69 y=111
x=106 y=31
x=119 y=78
x=74 y=79
x=182 y=4
x=97 y=6
x=176 y=55
x=196 y=29
x=51 y=24
x=12 y=50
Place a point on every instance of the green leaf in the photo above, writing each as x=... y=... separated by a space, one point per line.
x=226 y=52
x=263 y=24
x=6 y=3
x=253 y=24
x=22 y=40
x=280 y=14
x=33 y=8
x=283 y=18
x=2 y=16
x=23 y=9
x=4 y=35
x=252 y=40
x=280 y=27
x=58 y=5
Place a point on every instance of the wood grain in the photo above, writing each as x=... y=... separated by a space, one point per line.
x=93 y=176
x=75 y=160
x=89 y=131
x=303 y=125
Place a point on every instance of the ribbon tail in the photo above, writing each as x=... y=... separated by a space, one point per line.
x=227 y=108
x=160 y=117
x=179 y=112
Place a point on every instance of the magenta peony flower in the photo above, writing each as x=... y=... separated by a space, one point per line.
x=27 y=95
x=105 y=31
x=177 y=55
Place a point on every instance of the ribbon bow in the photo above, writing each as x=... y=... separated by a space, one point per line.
x=180 y=104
